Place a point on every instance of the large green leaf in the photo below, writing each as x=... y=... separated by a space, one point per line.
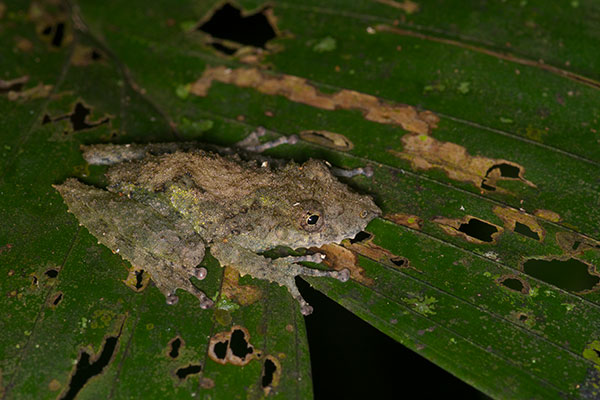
x=479 y=118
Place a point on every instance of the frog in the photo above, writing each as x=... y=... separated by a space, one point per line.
x=165 y=204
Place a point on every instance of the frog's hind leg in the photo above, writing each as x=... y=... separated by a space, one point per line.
x=168 y=250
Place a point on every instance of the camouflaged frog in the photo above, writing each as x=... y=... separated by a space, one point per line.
x=167 y=202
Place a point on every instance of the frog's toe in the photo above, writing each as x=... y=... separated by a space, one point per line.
x=342 y=275
x=206 y=303
x=306 y=309
x=172 y=299
x=200 y=273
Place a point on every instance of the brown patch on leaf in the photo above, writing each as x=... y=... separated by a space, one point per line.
x=575 y=243
x=13 y=84
x=338 y=258
x=54 y=385
x=85 y=55
x=425 y=152
x=40 y=91
x=519 y=222
x=301 y=91
x=332 y=140
x=206 y=383
x=14 y=89
x=470 y=228
x=137 y=279
x=548 y=215
x=2 y=11
x=6 y=248
x=271 y=373
x=242 y=294
x=408 y=6
x=410 y=221
x=24 y=45
x=367 y=248
x=232 y=347
x=514 y=283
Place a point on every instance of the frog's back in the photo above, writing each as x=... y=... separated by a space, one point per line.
x=219 y=177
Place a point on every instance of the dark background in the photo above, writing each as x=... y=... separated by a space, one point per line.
x=350 y=359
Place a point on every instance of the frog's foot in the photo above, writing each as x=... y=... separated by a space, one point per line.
x=292 y=270
x=169 y=287
x=349 y=173
x=252 y=142
x=305 y=308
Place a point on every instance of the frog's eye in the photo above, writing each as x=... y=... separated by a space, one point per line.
x=363 y=214
x=310 y=215
x=312 y=219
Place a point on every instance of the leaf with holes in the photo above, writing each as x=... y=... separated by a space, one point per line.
x=480 y=122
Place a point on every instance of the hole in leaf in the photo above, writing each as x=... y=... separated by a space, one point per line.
x=139 y=279
x=478 y=229
x=269 y=369
x=51 y=273
x=513 y=284
x=487 y=187
x=95 y=56
x=523 y=317
x=223 y=49
x=220 y=349
x=576 y=245
x=361 y=236
x=59 y=34
x=228 y=23
x=398 y=261
x=57 y=299
x=175 y=345
x=191 y=369
x=78 y=118
x=85 y=370
x=571 y=274
x=526 y=231
x=506 y=170
x=47 y=30
x=239 y=345
x=34 y=280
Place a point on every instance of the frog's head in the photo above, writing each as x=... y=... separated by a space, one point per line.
x=316 y=208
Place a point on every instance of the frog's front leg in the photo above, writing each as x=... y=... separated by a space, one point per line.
x=252 y=143
x=280 y=270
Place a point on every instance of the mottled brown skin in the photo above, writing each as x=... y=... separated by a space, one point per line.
x=162 y=210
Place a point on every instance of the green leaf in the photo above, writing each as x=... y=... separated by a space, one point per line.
x=481 y=125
